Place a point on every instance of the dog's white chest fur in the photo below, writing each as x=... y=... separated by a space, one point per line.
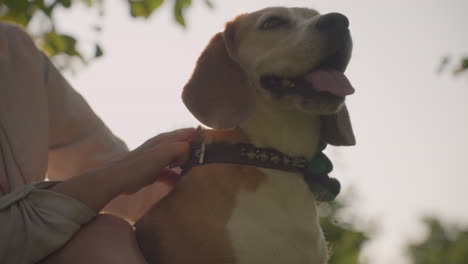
x=278 y=223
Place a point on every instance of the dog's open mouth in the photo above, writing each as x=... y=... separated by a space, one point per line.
x=327 y=78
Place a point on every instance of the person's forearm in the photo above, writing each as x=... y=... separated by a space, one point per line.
x=132 y=207
x=94 y=188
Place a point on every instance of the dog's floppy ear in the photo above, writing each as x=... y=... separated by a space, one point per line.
x=337 y=130
x=218 y=93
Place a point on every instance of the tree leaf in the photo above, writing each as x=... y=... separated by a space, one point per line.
x=345 y=243
x=64 y=47
x=52 y=44
x=179 y=8
x=55 y=44
x=443 y=243
x=137 y=9
x=65 y=3
x=209 y=4
x=38 y=3
x=88 y=3
x=18 y=11
x=70 y=45
x=98 y=51
x=143 y=8
x=462 y=67
x=154 y=4
x=16 y=18
x=18 y=5
x=464 y=64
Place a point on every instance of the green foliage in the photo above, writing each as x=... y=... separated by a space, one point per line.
x=55 y=43
x=460 y=67
x=464 y=64
x=443 y=243
x=22 y=12
x=209 y=4
x=345 y=243
x=143 y=8
x=98 y=51
x=179 y=7
x=19 y=11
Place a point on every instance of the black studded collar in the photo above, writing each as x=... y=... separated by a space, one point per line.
x=314 y=171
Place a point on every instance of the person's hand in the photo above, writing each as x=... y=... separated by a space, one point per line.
x=142 y=166
x=128 y=174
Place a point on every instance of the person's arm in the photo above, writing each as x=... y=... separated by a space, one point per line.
x=34 y=221
x=39 y=218
x=79 y=141
x=130 y=173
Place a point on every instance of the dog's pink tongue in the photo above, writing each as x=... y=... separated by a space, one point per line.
x=331 y=81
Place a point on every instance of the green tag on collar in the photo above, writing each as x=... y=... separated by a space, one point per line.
x=320 y=164
x=316 y=175
x=326 y=192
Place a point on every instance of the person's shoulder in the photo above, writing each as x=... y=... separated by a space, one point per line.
x=14 y=37
x=6 y=26
x=12 y=31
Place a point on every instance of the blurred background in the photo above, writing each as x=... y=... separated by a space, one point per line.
x=405 y=182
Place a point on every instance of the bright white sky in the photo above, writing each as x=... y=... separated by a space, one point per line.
x=411 y=123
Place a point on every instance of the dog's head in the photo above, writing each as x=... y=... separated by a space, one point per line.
x=291 y=57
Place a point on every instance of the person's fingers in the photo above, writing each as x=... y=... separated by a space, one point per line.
x=179 y=161
x=168 y=177
x=147 y=165
x=176 y=135
x=158 y=157
x=184 y=134
x=175 y=154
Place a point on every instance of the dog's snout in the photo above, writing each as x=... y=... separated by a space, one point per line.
x=332 y=21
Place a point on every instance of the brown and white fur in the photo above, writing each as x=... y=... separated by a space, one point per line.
x=233 y=214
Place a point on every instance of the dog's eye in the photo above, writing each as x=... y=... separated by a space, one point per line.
x=273 y=23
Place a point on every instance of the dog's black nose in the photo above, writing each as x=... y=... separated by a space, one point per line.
x=332 y=21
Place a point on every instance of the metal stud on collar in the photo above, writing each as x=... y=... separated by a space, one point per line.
x=201 y=158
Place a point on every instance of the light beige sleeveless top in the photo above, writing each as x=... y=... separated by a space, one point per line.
x=46 y=128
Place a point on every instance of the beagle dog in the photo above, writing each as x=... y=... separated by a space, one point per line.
x=273 y=82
